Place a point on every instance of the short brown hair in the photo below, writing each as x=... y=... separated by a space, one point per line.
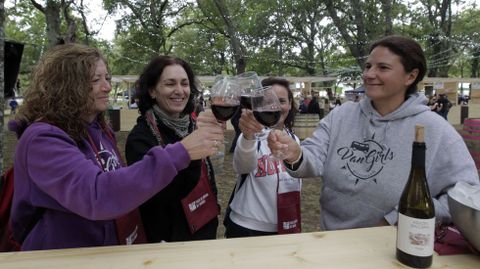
x=411 y=56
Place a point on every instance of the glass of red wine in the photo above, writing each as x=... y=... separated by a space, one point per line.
x=249 y=83
x=225 y=98
x=266 y=107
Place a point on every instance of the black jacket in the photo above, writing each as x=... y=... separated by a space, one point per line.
x=162 y=215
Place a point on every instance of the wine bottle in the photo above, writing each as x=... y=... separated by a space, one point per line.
x=416 y=213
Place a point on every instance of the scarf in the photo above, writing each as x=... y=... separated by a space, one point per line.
x=179 y=125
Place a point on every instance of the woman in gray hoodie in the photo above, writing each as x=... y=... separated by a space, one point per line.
x=363 y=150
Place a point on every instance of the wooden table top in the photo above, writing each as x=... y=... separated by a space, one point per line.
x=357 y=248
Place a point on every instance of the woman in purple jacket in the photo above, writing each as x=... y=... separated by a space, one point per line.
x=70 y=187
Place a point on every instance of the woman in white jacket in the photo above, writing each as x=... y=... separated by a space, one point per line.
x=266 y=199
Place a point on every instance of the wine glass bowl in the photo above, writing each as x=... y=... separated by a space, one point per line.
x=225 y=99
x=266 y=107
x=249 y=83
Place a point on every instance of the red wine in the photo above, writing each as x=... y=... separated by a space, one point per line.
x=267 y=118
x=416 y=212
x=222 y=112
x=246 y=101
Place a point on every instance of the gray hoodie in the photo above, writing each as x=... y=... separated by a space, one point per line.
x=365 y=159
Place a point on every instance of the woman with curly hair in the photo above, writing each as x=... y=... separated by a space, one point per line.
x=71 y=189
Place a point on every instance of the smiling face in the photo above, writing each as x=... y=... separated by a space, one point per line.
x=101 y=86
x=172 y=90
x=285 y=104
x=385 y=79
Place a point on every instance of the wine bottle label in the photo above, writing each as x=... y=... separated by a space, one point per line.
x=415 y=236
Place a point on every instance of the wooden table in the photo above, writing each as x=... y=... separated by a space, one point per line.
x=358 y=248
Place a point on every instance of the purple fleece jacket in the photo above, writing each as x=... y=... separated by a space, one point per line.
x=52 y=171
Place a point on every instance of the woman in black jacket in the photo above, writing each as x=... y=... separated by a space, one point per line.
x=187 y=208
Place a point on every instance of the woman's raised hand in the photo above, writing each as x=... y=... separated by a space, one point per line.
x=248 y=125
x=282 y=144
x=204 y=141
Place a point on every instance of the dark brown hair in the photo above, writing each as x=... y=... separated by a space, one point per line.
x=290 y=119
x=411 y=56
x=149 y=79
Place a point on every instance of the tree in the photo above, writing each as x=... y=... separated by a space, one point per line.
x=439 y=16
x=29 y=30
x=357 y=22
x=148 y=25
x=2 y=78
x=301 y=23
x=52 y=10
x=218 y=14
x=466 y=39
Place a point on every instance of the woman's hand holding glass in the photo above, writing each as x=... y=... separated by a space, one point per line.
x=249 y=125
x=203 y=142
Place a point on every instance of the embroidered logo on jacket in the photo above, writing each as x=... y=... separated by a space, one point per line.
x=108 y=159
x=366 y=159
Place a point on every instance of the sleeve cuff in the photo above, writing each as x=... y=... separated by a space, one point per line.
x=246 y=144
x=296 y=164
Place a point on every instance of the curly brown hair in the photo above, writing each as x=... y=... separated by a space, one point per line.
x=59 y=92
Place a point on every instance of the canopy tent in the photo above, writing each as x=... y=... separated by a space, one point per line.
x=207 y=81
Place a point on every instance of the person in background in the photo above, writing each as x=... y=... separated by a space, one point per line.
x=303 y=108
x=167 y=94
x=70 y=187
x=13 y=106
x=235 y=120
x=443 y=106
x=263 y=182
x=362 y=150
x=338 y=102
x=321 y=108
x=432 y=103
x=314 y=107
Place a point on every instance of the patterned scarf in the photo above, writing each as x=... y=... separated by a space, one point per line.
x=178 y=125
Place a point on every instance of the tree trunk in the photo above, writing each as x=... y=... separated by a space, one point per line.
x=52 y=18
x=2 y=79
x=238 y=49
x=357 y=47
x=387 y=9
x=52 y=11
x=475 y=63
x=440 y=19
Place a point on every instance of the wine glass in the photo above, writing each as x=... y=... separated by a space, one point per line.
x=249 y=83
x=266 y=107
x=225 y=99
x=267 y=110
